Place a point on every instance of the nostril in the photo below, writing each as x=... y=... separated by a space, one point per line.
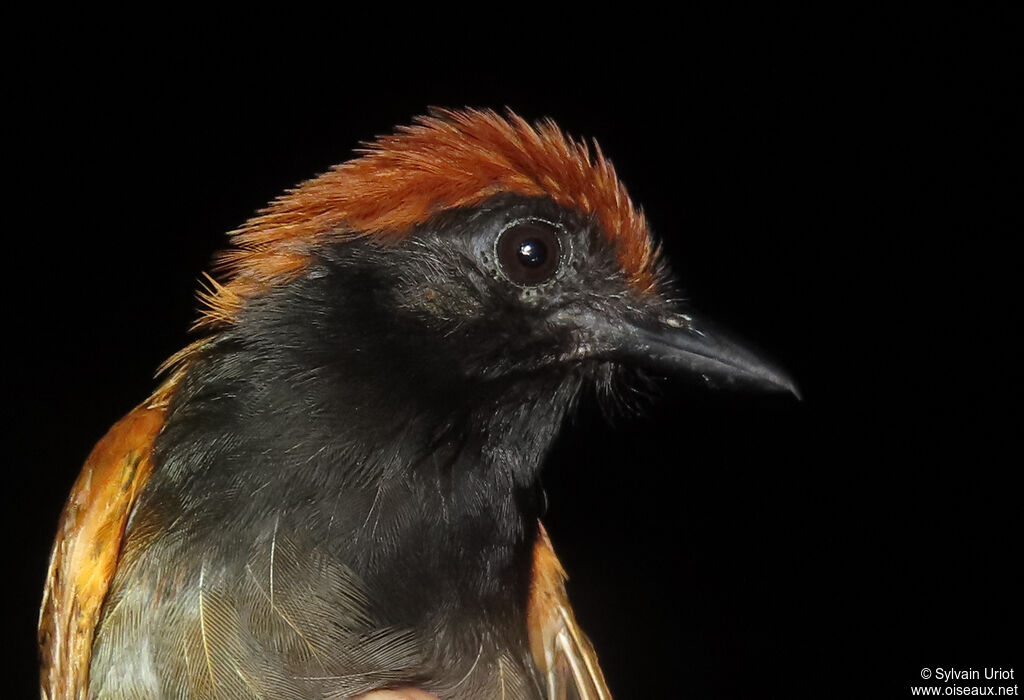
x=678 y=321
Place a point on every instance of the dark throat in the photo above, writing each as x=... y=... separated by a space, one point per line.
x=425 y=487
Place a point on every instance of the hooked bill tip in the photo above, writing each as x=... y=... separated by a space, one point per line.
x=680 y=343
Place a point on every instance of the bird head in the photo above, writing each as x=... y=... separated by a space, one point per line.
x=469 y=261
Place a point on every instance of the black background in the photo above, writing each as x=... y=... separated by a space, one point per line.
x=829 y=187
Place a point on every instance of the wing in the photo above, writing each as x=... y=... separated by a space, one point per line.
x=88 y=544
x=562 y=652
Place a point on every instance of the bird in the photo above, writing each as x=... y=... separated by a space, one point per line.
x=334 y=491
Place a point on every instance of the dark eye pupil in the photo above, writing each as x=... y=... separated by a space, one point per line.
x=529 y=251
x=532 y=252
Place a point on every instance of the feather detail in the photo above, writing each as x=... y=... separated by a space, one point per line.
x=563 y=654
x=446 y=160
x=88 y=545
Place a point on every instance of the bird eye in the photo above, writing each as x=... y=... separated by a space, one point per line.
x=529 y=252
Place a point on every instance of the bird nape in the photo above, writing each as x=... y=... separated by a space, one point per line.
x=335 y=490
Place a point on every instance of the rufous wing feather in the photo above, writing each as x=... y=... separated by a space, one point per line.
x=87 y=547
x=560 y=650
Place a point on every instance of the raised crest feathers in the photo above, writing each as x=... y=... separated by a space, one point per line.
x=448 y=159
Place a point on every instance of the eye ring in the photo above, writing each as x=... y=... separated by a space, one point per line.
x=529 y=251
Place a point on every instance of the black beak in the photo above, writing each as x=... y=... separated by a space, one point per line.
x=679 y=343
